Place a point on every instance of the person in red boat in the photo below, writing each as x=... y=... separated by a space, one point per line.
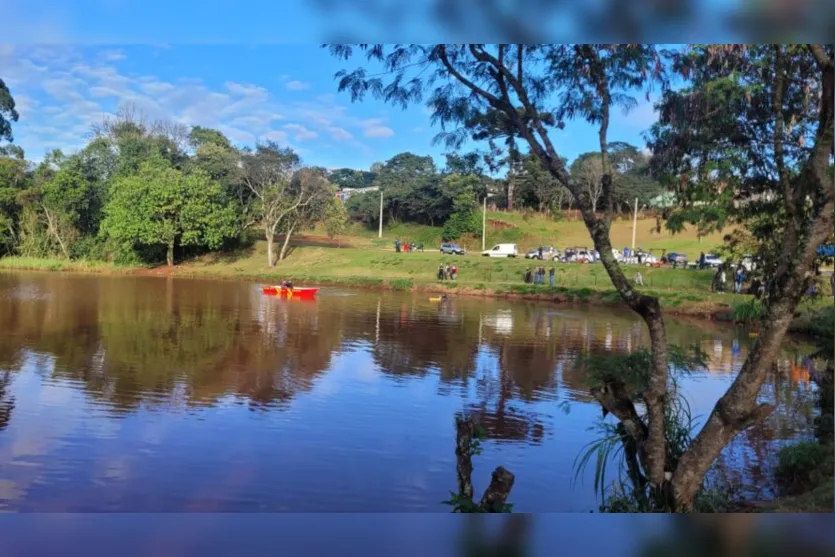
x=287 y=284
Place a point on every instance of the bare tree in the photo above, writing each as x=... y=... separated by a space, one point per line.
x=587 y=171
x=315 y=192
x=268 y=172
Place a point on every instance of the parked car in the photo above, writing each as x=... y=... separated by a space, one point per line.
x=450 y=248
x=712 y=260
x=501 y=250
x=579 y=255
x=677 y=258
x=548 y=254
x=618 y=255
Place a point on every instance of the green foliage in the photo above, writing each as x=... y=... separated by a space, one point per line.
x=8 y=114
x=350 y=178
x=161 y=206
x=626 y=494
x=633 y=370
x=335 y=218
x=464 y=219
x=402 y=284
x=747 y=311
x=802 y=466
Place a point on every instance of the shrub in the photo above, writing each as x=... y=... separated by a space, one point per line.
x=748 y=311
x=802 y=466
x=402 y=284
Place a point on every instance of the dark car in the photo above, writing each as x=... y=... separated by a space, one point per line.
x=677 y=258
x=450 y=248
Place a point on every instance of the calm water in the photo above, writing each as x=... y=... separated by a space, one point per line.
x=154 y=394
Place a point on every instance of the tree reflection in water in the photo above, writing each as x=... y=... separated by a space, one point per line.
x=140 y=343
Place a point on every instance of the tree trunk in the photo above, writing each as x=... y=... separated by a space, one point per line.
x=52 y=228
x=510 y=195
x=270 y=236
x=286 y=243
x=169 y=255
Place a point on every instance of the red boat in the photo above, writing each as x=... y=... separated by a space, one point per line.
x=295 y=292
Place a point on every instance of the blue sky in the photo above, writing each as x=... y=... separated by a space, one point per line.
x=285 y=93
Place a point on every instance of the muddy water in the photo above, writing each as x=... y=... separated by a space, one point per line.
x=155 y=394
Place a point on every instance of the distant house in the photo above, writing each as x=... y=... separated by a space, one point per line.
x=345 y=194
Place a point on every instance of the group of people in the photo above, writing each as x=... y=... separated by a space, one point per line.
x=407 y=246
x=447 y=271
x=537 y=276
x=720 y=279
x=638 y=254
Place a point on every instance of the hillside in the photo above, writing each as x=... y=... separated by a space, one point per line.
x=533 y=231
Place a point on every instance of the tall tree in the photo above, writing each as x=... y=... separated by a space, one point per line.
x=753 y=132
x=315 y=192
x=13 y=180
x=350 y=178
x=526 y=92
x=267 y=172
x=161 y=206
x=587 y=172
x=8 y=114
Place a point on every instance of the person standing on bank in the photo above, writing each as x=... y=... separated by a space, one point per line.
x=551 y=273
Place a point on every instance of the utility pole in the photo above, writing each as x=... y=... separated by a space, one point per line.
x=484 y=225
x=380 y=233
x=634 y=225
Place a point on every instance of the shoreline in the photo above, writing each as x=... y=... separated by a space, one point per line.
x=673 y=302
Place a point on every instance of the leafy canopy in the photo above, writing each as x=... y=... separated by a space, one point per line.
x=159 y=205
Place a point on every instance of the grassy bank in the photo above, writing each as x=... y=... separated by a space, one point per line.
x=533 y=230
x=682 y=292
x=360 y=259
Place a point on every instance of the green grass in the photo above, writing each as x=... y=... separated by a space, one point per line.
x=38 y=264
x=533 y=230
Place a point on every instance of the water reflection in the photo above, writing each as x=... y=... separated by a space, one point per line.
x=136 y=393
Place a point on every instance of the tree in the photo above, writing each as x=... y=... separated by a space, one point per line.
x=311 y=187
x=587 y=172
x=335 y=218
x=526 y=92
x=162 y=206
x=463 y=220
x=65 y=201
x=215 y=155
x=13 y=180
x=350 y=178
x=200 y=137
x=8 y=114
x=534 y=184
x=464 y=164
x=631 y=176
x=753 y=131
x=267 y=172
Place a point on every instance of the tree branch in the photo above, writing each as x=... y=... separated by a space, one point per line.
x=824 y=61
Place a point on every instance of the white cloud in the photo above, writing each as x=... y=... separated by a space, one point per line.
x=301 y=133
x=25 y=105
x=371 y=122
x=237 y=135
x=61 y=93
x=418 y=129
x=113 y=55
x=339 y=134
x=296 y=85
x=275 y=135
x=379 y=131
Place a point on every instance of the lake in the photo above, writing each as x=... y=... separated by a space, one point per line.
x=148 y=394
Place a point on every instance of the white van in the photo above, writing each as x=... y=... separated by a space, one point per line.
x=502 y=250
